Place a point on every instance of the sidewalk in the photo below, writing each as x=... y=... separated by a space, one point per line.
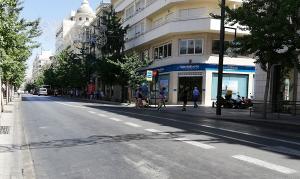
x=15 y=162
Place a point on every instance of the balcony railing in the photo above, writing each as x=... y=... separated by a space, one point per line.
x=170 y=19
x=137 y=11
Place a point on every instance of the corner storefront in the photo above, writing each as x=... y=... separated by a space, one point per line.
x=177 y=77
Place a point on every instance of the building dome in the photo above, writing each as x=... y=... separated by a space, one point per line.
x=85 y=8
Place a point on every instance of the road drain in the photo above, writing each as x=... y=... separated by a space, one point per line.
x=4 y=129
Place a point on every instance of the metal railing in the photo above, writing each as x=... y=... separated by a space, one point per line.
x=278 y=108
x=137 y=11
x=175 y=19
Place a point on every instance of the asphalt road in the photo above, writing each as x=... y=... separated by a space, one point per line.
x=79 y=140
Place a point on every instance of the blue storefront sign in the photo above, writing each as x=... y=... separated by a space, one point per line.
x=202 y=67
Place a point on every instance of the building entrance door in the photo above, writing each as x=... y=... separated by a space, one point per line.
x=189 y=83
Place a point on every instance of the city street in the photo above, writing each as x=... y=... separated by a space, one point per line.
x=73 y=139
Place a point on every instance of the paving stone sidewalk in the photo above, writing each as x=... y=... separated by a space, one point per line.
x=15 y=160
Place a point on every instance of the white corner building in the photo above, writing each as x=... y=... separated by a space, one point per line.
x=182 y=41
x=71 y=27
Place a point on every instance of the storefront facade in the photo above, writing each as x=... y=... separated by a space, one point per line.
x=177 y=77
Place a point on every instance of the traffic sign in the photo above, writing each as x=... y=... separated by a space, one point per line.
x=149 y=75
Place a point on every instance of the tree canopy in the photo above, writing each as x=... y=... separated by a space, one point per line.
x=17 y=39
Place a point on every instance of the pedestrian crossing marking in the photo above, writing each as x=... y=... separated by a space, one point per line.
x=195 y=143
x=264 y=164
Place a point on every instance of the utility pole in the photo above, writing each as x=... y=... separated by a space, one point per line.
x=221 y=58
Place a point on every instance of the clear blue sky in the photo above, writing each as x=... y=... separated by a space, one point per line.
x=51 y=12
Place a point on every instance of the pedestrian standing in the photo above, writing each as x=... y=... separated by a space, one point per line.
x=196 y=95
x=184 y=98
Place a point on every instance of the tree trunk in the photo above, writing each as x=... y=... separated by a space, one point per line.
x=7 y=95
x=1 y=97
x=267 y=87
x=12 y=89
x=2 y=102
x=123 y=93
x=295 y=89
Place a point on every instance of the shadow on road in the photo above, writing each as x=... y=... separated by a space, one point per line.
x=91 y=140
x=186 y=123
x=194 y=125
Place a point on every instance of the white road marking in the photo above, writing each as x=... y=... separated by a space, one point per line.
x=264 y=164
x=197 y=144
x=75 y=106
x=132 y=124
x=212 y=127
x=157 y=131
x=92 y=112
x=147 y=168
x=232 y=138
x=102 y=115
x=218 y=128
x=115 y=119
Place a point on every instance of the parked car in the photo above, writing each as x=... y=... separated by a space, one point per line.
x=43 y=91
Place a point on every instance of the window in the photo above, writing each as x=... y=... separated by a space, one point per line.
x=198 y=46
x=80 y=18
x=183 y=47
x=163 y=51
x=169 y=50
x=237 y=83
x=216 y=46
x=87 y=18
x=192 y=13
x=190 y=46
x=160 y=51
x=129 y=11
x=139 y=5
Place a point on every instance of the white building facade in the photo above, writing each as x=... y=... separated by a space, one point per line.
x=182 y=41
x=40 y=61
x=71 y=27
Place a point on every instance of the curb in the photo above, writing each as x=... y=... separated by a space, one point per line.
x=91 y=101
x=276 y=124
x=267 y=123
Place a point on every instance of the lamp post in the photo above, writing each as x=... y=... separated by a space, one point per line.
x=221 y=58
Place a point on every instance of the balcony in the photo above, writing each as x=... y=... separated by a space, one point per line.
x=175 y=25
x=149 y=8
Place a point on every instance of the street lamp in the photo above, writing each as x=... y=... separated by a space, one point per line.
x=221 y=58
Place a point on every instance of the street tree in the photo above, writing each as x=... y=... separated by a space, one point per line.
x=16 y=42
x=272 y=37
x=131 y=67
x=113 y=50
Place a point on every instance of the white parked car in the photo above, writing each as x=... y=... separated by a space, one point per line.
x=43 y=91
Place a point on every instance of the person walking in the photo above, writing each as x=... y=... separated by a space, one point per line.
x=162 y=97
x=184 y=98
x=196 y=95
x=140 y=98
